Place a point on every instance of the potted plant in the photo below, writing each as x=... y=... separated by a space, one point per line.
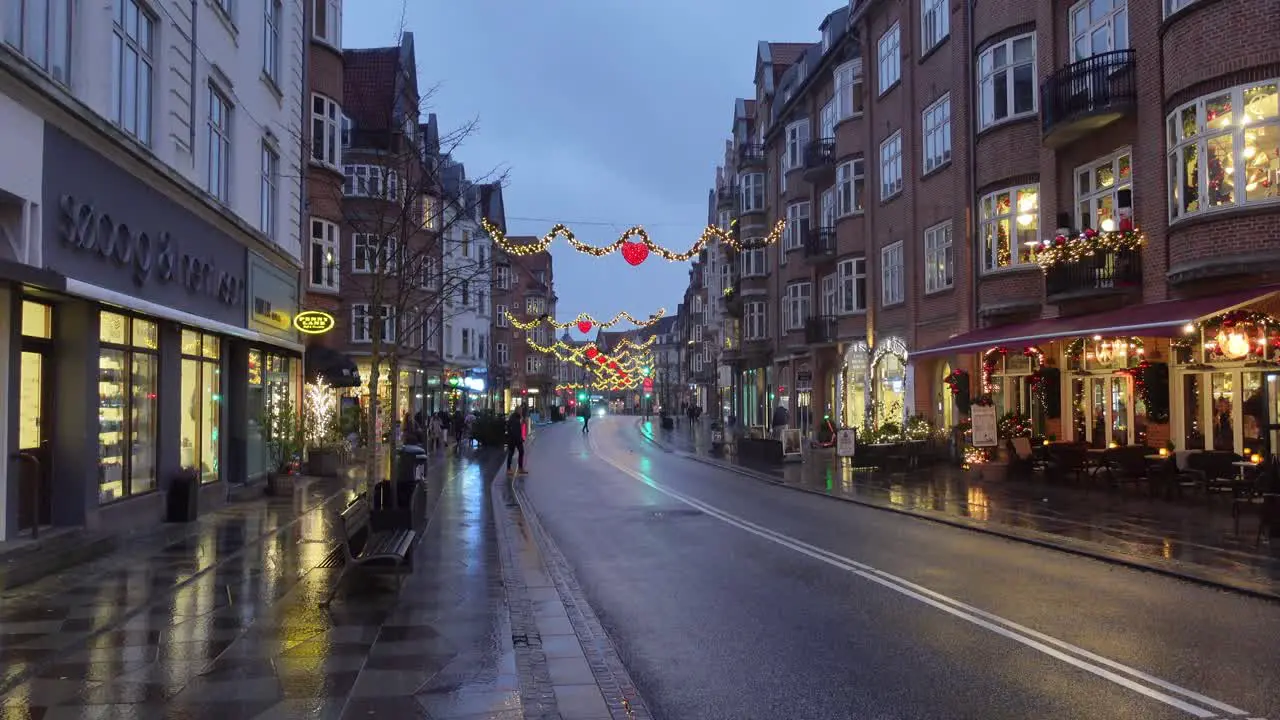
x=320 y=429
x=283 y=441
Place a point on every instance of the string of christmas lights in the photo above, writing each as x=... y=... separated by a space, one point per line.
x=584 y=321
x=624 y=365
x=634 y=251
x=1063 y=249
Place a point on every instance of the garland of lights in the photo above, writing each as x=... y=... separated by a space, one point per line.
x=605 y=368
x=1063 y=249
x=584 y=321
x=990 y=359
x=633 y=251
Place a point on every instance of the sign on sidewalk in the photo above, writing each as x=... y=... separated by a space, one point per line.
x=846 y=442
x=984 y=425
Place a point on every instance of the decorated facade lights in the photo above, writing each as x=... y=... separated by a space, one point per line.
x=1234 y=335
x=605 y=368
x=584 y=322
x=634 y=251
x=990 y=362
x=1090 y=242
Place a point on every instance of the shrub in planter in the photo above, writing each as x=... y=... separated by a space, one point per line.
x=489 y=429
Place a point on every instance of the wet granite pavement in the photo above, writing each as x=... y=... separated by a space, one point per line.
x=1193 y=538
x=223 y=619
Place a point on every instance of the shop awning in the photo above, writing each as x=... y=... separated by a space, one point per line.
x=335 y=368
x=1150 y=319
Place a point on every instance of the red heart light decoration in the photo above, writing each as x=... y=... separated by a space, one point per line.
x=602 y=359
x=635 y=252
x=592 y=352
x=584 y=326
x=613 y=365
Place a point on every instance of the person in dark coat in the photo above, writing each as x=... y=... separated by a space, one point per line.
x=515 y=440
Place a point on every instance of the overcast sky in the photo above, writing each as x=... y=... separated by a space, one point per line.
x=606 y=113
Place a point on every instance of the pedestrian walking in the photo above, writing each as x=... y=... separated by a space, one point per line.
x=586 y=419
x=515 y=442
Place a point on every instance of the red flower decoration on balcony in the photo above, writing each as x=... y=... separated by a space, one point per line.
x=634 y=252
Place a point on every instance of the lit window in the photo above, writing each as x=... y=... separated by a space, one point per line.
x=1104 y=192
x=1009 y=224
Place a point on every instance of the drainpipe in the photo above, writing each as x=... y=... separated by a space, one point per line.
x=971 y=220
x=195 y=20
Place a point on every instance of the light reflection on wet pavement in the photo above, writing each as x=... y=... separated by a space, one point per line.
x=225 y=620
x=1193 y=535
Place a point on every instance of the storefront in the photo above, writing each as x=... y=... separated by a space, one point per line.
x=129 y=356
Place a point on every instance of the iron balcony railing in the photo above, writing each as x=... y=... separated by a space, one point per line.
x=750 y=153
x=1100 y=84
x=820 y=154
x=1096 y=274
x=820 y=244
x=820 y=330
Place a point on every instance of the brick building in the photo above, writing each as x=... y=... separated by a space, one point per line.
x=1071 y=243
x=524 y=286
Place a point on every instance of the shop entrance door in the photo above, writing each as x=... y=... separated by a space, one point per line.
x=35 y=480
x=1109 y=400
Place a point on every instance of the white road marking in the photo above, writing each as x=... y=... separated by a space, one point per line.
x=1053 y=647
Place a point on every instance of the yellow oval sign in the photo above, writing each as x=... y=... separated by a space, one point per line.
x=313 y=322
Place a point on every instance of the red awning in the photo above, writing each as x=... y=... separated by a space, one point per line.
x=1152 y=319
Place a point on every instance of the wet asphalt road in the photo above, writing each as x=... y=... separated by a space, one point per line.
x=730 y=598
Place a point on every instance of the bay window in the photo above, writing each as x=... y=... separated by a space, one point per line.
x=848 y=84
x=371 y=181
x=754 y=261
x=1009 y=226
x=1104 y=192
x=327 y=22
x=1224 y=150
x=324 y=255
x=751 y=187
x=755 y=320
x=370 y=253
x=326 y=129
x=1007 y=80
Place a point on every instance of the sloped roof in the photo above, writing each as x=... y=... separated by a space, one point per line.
x=786 y=54
x=369 y=86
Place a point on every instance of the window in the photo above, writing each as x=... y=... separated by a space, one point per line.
x=226 y=6
x=428 y=213
x=754 y=261
x=1173 y=6
x=534 y=307
x=464 y=294
x=482 y=347
x=827 y=121
x=697 y=332
x=797 y=228
x=132 y=69
x=1104 y=192
x=795 y=305
x=892 y=291
x=782 y=166
x=348 y=131
x=448 y=339
x=363 y=322
x=201 y=423
x=830 y=296
x=500 y=354
x=827 y=208
x=939 y=260
x=937 y=134
x=848 y=84
x=369 y=253
x=752 y=189
x=755 y=321
x=128 y=380
x=697 y=363
x=797 y=140
x=430 y=274
x=852 y=277
x=270 y=197
x=891 y=166
x=1009 y=223
x=850 y=187
x=219 y=145
x=466 y=342
x=533 y=364
x=466 y=243
x=1007 y=80
x=1223 y=150
x=327 y=15
x=889 y=68
x=271 y=41
x=41 y=31
x=1099 y=26
x=372 y=181
x=502 y=277
x=324 y=254
x=326 y=119
x=500 y=316
x=935 y=24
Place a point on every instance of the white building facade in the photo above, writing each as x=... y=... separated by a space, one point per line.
x=468 y=273
x=150 y=208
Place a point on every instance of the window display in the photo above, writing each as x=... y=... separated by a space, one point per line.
x=202 y=404
x=127 y=385
x=270 y=389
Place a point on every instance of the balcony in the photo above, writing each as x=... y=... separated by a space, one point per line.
x=1098 y=275
x=726 y=197
x=820 y=245
x=820 y=161
x=1086 y=95
x=750 y=155
x=733 y=301
x=821 y=330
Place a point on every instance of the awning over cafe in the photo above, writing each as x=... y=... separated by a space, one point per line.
x=332 y=366
x=1150 y=319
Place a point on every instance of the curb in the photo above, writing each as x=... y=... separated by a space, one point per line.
x=1050 y=542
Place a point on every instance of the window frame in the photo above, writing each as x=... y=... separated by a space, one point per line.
x=757 y=310
x=329 y=239
x=1176 y=143
x=797 y=227
x=935 y=123
x=893 y=285
x=827 y=120
x=827 y=208
x=891 y=175
x=845 y=79
x=1173 y=7
x=53 y=56
x=829 y=295
x=220 y=131
x=797 y=139
x=330 y=11
x=357 y=183
x=500 y=316
x=939 y=258
x=326 y=118
x=360 y=323
x=1094 y=194
x=272 y=58
x=759 y=254
x=797 y=301
x=128 y=425
x=851 y=282
x=501 y=355
x=386 y=251
x=1009 y=70
x=1076 y=33
x=889 y=59
x=935 y=16
x=751 y=188
x=857 y=185
x=991 y=264
x=269 y=192
x=126 y=43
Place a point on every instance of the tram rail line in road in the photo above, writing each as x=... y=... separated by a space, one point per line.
x=1173 y=695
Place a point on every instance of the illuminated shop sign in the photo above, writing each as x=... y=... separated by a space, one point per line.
x=313 y=322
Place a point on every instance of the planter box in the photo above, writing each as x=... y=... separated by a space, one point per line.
x=322 y=463
x=761 y=451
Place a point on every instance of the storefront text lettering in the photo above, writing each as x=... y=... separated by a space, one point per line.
x=88 y=230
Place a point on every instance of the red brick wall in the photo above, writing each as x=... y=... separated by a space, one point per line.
x=1209 y=40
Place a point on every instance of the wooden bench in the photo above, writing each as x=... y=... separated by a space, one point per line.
x=390 y=547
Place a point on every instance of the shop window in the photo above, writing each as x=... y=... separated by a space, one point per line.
x=201 y=425
x=128 y=380
x=37 y=320
x=271 y=405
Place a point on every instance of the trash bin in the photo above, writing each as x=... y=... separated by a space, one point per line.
x=181 y=499
x=411 y=465
x=668 y=422
x=406 y=510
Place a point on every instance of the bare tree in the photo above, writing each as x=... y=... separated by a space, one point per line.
x=408 y=211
